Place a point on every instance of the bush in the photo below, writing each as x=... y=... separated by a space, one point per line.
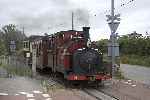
x=136 y=60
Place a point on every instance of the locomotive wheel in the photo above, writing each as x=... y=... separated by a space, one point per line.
x=99 y=84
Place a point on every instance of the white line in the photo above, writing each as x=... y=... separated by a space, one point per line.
x=48 y=99
x=16 y=94
x=46 y=95
x=129 y=80
x=23 y=93
x=37 y=92
x=129 y=83
x=3 y=94
x=133 y=85
x=30 y=95
x=31 y=99
x=126 y=82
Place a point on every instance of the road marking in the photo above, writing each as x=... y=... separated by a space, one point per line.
x=46 y=95
x=30 y=95
x=129 y=80
x=48 y=99
x=16 y=94
x=37 y=92
x=133 y=85
x=126 y=82
x=23 y=93
x=129 y=83
x=3 y=94
x=31 y=99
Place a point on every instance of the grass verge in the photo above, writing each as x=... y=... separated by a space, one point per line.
x=19 y=71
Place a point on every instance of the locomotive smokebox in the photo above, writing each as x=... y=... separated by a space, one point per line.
x=86 y=33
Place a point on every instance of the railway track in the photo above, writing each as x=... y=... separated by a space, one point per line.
x=53 y=81
x=99 y=95
x=95 y=93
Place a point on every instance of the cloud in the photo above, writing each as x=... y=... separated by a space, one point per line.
x=55 y=15
x=44 y=16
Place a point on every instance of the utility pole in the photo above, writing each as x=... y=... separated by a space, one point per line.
x=72 y=21
x=23 y=29
x=113 y=22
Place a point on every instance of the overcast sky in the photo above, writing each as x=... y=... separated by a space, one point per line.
x=49 y=16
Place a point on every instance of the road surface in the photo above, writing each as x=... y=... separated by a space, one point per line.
x=137 y=73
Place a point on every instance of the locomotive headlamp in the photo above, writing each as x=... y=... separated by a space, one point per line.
x=89 y=43
x=96 y=49
x=76 y=77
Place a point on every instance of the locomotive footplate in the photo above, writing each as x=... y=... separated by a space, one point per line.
x=88 y=77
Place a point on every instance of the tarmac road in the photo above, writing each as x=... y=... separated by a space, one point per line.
x=137 y=73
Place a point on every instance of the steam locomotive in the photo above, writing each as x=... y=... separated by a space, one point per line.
x=72 y=54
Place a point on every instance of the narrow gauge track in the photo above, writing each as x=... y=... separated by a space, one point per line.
x=99 y=95
x=95 y=93
x=115 y=98
x=54 y=81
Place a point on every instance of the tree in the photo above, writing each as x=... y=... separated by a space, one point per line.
x=2 y=47
x=11 y=33
x=102 y=44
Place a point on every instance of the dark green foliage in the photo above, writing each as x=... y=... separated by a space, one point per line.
x=10 y=33
x=134 y=46
x=102 y=44
x=134 y=49
x=2 y=47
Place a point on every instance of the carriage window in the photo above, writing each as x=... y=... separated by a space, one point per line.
x=26 y=44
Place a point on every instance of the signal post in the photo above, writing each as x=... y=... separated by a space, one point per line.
x=113 y=47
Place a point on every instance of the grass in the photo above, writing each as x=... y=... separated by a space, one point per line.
x=136 y=60
x=119 y=75
x=19 y=71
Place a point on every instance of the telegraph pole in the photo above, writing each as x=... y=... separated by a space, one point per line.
x=112 y=7
x=72 y=21
x=23 y=29
x=113 y=22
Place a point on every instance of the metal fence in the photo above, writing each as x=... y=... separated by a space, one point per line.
x=15 y=65
x=14 y=61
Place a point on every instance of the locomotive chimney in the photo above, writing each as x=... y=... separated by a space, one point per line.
x=86 y=32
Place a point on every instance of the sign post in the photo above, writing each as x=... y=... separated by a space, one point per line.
x=34 y=62
x=113 y=47
x=12 y=46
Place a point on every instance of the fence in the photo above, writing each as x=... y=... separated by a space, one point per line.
x=15 y=65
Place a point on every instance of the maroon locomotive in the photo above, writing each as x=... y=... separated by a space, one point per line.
x=72 y=54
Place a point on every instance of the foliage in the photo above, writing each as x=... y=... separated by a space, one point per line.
x=134 y=49
x=10 y=33
x=102 y=44
x=135 y=46
x=2 y=47
x=136 y=60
